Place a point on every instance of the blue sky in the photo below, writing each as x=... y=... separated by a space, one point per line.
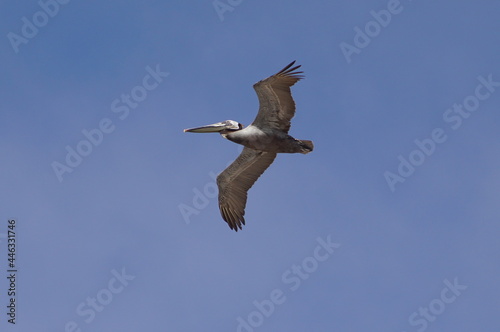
x=330 y=243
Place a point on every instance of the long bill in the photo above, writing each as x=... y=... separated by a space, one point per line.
x=212 y=128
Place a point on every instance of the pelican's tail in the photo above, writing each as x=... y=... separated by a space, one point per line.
x=306 y=146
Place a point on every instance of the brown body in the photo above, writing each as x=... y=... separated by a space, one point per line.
x=269 y=140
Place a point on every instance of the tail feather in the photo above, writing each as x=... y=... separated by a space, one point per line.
x=307 y=146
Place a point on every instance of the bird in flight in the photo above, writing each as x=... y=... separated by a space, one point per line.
x=262 y=140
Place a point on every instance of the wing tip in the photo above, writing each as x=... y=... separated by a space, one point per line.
x=236 y=225
x=288 y=72
x=291 y=72
x=290 y=64
x=233 y=220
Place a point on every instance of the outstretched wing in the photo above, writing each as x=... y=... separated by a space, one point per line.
x=277 y=107
x=236 y=180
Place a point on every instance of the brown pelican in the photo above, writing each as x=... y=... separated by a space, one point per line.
x=263 y=139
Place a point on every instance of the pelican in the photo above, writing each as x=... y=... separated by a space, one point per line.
x=262 y=140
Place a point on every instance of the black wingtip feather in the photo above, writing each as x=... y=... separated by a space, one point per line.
x=290 y=71
x=287 y=70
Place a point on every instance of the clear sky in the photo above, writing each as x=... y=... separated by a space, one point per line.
x=392 y=223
